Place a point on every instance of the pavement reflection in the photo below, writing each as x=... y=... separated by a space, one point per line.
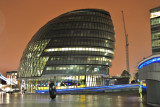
x=122 y=99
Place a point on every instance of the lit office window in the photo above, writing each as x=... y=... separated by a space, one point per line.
x=155 y=14
x=155 y=21
x=156 y=35
x=155 y=43
x=79 y=49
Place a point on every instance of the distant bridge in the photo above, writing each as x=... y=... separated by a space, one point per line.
x=5 y=79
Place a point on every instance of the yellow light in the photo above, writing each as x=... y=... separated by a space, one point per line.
x=155 y=14
x=144 y=84
x=79 y=49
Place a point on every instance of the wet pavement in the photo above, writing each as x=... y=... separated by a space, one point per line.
x=118 y=99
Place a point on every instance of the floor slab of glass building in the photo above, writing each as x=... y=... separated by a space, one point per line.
x=62 y=82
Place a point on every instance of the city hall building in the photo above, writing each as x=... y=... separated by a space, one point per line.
x=72 y=50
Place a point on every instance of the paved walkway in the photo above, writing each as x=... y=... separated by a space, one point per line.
x=118 y=99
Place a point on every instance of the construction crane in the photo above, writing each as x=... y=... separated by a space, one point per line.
x=127 y=44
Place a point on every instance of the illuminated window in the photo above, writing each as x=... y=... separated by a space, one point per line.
x=156 y=35
x=79 y=49
x=155 y=14
x=155 y=43
x=155 y=21
x=33 y=62
x=81 y=67
x=50 y=68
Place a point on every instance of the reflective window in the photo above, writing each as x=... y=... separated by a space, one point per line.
x=156 y=35
x=155 y=21
x=79 y=49
x=31 y=63
x=77 y=42
x=155 y=14
x=156 y=43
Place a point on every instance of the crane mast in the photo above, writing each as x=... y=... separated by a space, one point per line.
x=127 y=44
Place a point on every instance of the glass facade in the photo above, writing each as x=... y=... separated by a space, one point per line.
x=79 y=43
x=155 y=29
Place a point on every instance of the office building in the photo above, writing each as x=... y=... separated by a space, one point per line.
x=74 y=49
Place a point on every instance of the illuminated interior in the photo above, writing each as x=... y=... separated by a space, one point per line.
x=155 y=21
x=155 y=14
x=79 y=49
x=155 y=26
x=75 y=49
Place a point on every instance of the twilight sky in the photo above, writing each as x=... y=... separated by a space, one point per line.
x=21 y=19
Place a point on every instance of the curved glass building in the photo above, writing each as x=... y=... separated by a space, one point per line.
x=75 y=47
